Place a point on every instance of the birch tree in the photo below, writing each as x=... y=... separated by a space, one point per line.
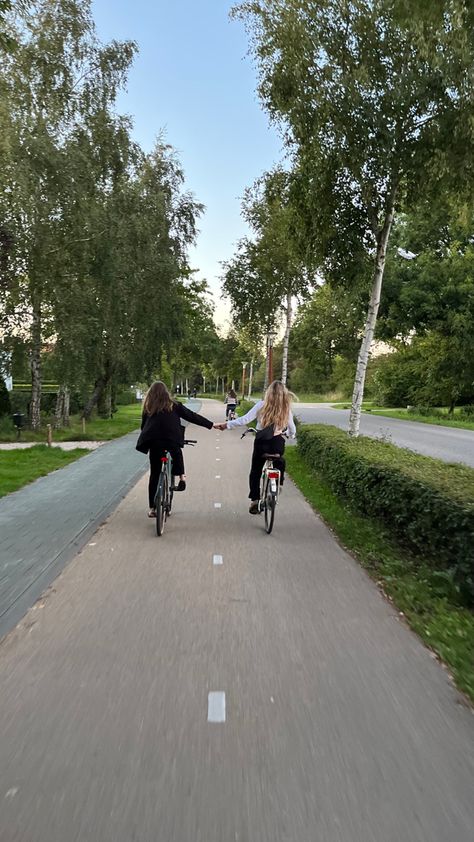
x=375 y=100
x=269 y=209
x=50 y=80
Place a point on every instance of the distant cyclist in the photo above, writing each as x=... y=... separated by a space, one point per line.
x=274 y=416
x=161 y=431
x=231 y=403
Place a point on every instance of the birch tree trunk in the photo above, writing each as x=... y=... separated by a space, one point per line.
x=362 y=360
x=286 y=340
x=35 y=365
x=249 y=393
x=61 y=415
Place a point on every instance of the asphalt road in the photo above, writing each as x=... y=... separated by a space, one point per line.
x=337 y=725
x=447 y=443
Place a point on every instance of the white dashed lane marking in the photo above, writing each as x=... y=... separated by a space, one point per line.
x=217 y=505
x=216 y=707
x=217 y=559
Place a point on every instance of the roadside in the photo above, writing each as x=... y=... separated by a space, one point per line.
x=44 y=524
x=439 y=416
x=424 y=596
x=20 y=467
x=125 y=420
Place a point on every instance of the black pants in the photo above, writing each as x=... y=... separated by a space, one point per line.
x=273 y=445
x=230 y=408
x=155 y=454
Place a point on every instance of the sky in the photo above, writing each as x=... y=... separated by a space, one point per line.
x=193 y=79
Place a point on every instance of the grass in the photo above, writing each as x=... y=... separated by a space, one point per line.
x=125 y=420
x=454 y=420
x=19 y=467
x=426 y=597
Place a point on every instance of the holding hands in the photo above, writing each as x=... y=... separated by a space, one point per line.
x=221 y=426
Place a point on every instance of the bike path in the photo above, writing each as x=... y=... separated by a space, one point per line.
x=338 y=725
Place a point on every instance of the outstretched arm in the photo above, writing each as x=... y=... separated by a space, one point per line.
x=193 y=417
x=247 y=418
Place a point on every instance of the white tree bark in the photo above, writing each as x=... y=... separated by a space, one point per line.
x=61 y=415
x=35 y=366
x=286 y=340
x=363 y=358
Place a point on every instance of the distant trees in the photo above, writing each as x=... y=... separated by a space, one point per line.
x=93 y=233
x=374 y=100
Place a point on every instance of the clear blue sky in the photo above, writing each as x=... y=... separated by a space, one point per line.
x=193 y=79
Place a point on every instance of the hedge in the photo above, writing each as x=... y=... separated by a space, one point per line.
x=426 y=503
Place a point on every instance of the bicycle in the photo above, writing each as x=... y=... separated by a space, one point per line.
x=166 y=489
x=232 y=414
x=269 y=486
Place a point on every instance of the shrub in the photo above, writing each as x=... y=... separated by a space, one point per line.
x=426 y=411
x=467 y=411
x=125 y=397
x=426 y=503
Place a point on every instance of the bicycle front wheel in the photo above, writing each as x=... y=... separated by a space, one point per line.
x=270 y=505
x=161 y=504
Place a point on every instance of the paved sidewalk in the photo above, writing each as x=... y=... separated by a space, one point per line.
x=45 y=523
x=336 y=724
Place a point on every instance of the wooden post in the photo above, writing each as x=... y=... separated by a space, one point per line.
x=49 y=434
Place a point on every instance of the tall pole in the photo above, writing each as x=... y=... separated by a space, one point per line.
x=244 y=366
x=250 y=379
x=270 y=359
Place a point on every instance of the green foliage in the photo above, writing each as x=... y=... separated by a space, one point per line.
x=19 y=467
x=427 y=504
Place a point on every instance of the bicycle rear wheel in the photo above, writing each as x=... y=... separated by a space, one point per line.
x=269 y=506
x=161 y=504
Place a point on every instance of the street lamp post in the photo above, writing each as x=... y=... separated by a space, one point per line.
x=244 y=366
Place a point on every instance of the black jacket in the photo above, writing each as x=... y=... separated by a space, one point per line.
x=165 y=427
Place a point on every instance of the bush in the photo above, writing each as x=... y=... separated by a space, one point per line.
x=426 y=503
x=426 y=411
x=125 y=397
x=467 y=411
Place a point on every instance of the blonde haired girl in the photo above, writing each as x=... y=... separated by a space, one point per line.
x=273 y=416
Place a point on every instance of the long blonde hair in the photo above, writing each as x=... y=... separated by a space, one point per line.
x=276 y=406
x=157 y=399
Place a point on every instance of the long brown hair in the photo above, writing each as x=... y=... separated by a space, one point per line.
x=157 y=399
x=276 y=406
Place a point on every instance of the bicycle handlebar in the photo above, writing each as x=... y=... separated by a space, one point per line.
x=253 y=430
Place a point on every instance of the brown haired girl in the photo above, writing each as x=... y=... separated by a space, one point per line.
x=273 y=416
x=162 y=430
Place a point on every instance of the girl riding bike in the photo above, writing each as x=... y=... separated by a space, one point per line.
x=162 y=431
x=273 y=416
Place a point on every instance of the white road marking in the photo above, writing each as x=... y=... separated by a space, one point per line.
x=218 y=476
x=217 y=559
x=13 y=791
x=217 y=505
x=216 y=707
x=93 y=544
x=217 y=448
x=217 y=459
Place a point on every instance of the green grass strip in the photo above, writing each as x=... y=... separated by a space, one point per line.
x=426 y=597
x=19 y=467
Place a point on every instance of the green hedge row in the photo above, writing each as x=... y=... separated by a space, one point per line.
x=428 y=504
